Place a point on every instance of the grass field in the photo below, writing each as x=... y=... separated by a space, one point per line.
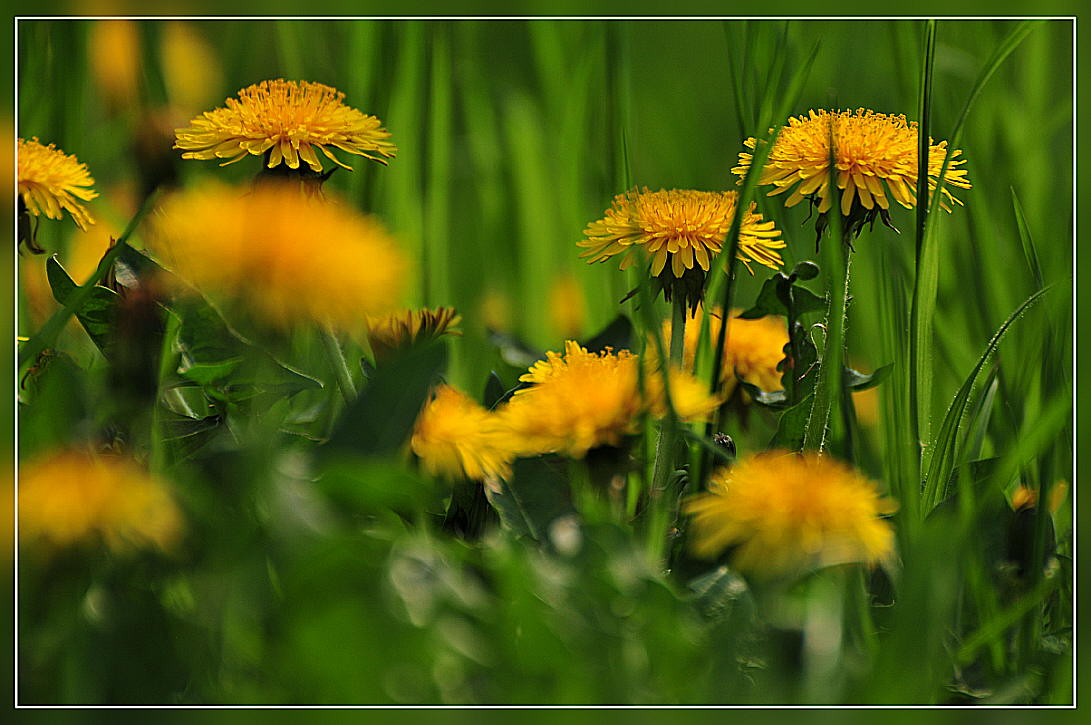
x=231 y=497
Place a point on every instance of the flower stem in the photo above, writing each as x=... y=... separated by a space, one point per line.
x=668 y=428
x=338 y=364
x=830 y=378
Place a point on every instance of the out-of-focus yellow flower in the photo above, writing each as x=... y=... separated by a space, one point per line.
x=289 y=256
x=683 y=227
x=289 y=120
x=782 y=512
x=1024 y=497
x=876 y=154
x=581 y=400
x=456 y=437
x=74 y=496
x=406 y=328
x=689 y=396
x=496 y=310
x=51 y=180
x=754 y=348
x=567 y=306
x=191 y=68
x=114 y=49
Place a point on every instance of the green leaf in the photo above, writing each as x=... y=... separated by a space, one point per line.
x=792 y=426
x=534 y=497
x=367 y=485
x=187 y=435
x=494 y=390
x=618 y=335
x=215 y=356
x=774 y=399
x=98 y=311
x=799 y=368
x=943 y=456
x=777 y=293
x=720 y=593
x=863 y=381
x=382 y=417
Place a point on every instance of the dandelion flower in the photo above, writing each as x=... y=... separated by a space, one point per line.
x=74 y=496
x=582 y=400
x=681 y=227
x=289 y=120
x=290 y=257
x=405 y=328
x=876 y=159
x=114 y=55
x=577 y=401
x=456 y=437
x=50 y=180
x=782 y=512
x=754 y=348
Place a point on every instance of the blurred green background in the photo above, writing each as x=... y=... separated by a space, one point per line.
x=509 y=138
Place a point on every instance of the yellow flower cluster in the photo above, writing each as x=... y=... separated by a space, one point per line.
x=290 y=257
x=574 y=402
x=781 y=512
x=581 y=400
x=875 y=155
x=74 y=496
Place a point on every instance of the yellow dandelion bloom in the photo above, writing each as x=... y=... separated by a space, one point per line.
x=405 y=328
x=876 y=158
x=289 y=256
x=289 y=120
x=580 y=400
x=754 y=348
x=682 y=227
x=51 y=180
x=782 y=512
x=74 y=496
x=455 y=437
x=577 y=401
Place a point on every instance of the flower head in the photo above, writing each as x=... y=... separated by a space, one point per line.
x=289 y=120
x=783 y=512
x=405 y=328
x=288 y=256
x=876 y=158
x=74 y=496
x=50 y=180
x=754 y=348
x=455 y=437
x=581 y=400
x=681 y=227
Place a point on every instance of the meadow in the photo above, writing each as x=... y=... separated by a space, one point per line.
x=405 y=433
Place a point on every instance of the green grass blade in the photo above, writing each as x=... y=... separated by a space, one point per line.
x=943 y=457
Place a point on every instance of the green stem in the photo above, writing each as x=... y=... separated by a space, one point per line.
x=338 y=364
x=828 y=387
x=76 y=301
x=668 y=427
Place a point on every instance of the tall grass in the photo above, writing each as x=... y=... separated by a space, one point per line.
x=512 y=136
